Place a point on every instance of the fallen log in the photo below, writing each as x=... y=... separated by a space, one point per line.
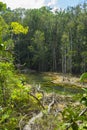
x=31 y=122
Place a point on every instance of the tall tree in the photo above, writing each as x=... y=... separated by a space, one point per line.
x=38 y=49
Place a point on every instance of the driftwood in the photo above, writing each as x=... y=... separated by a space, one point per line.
x=32 y=120
x=28 y=126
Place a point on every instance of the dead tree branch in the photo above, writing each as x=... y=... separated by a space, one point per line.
x=50 y=105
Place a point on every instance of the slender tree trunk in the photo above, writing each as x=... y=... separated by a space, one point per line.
x=63 y=65
x=65 y=69
x=54 y=59
x=70 y=55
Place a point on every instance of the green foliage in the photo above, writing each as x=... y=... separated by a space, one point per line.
x=7 y=84
x=68 y=113
x=14 y=97
x=6 y=75
x=83 y=77
x=84 y=97
x=73 y=115
x=3 y=27
x=18 y=28
x=8 y=119
x=2 y=6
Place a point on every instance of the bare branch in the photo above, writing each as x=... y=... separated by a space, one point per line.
x=83 y=112
x=50 y=105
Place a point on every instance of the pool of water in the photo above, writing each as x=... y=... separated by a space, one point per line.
x=68 y=89
x=63 y=89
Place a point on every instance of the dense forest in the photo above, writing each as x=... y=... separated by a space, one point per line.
x=39 y=40
x=54 y=41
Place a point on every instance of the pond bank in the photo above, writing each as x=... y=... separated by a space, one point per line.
x=56 y=81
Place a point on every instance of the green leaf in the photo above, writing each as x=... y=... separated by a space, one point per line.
x=83 y=77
